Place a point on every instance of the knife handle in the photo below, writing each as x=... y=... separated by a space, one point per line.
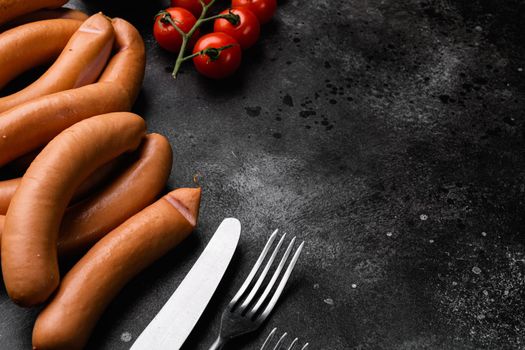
x=218 y=344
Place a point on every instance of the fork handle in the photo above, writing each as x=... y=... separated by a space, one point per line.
x=218 y=344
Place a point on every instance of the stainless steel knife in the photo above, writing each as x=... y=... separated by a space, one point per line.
x=174 y=322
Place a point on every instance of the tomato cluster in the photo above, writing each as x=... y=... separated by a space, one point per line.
x=217 y=54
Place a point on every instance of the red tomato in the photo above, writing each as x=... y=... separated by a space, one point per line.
x=194 y=6
x=246 y=32
x=263 y=9
x=166 y=35
x=215 y=65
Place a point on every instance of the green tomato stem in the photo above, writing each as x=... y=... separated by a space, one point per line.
x=167 y=17
x=211 y=52
x=187 y=36
x=180 y=57
x=230 y=17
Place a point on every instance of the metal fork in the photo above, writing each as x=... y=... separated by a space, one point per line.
x=280 y=342
x=239 y=319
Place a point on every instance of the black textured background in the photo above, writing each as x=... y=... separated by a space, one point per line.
x=387 y=134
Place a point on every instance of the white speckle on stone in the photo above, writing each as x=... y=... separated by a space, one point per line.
x=478 y=28
x=476 y=270
x=126 y=337
x=484 y=234
x=389 y=234
x=316 y=286
x=430 y=241
x=354 y=286
x=329 y=301
x=520 y=69
x=423 y=217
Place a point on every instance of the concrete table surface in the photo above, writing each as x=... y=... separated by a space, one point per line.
x=388 y=135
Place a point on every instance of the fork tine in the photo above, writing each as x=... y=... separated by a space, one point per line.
x=305 y=346
x=280 y=341
x=261 y=278
x=293 y=344
x=281 y=285
x=270 y=285
x=254 y=270
x=269 y=339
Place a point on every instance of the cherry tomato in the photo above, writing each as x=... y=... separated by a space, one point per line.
x=166 y=35
x=263 y=9
x=217 y=65
x=194 y=6
x=246 y=32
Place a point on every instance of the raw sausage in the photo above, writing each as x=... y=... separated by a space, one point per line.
x=127 y=67
x=137 y=187
x=2 y=221
x=35 y=123
x=29 y=254
x=86 y=290
x=79 y=64
x=7 y=191
x=92 y=183
x=41 y=15
x=33 y=44
x=10 y=9
x=87 y=221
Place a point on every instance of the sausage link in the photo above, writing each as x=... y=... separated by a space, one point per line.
x=86 y=222
x=92 y=183
x=79 y=64
x=7 y=191
x=10 y=9
x=45 y=14
x=35 y=123
x=33 y=44
x=128 y=66
x=29 y=254
x=86 y=290
x=2 y=222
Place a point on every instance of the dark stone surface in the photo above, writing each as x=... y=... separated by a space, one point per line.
x=388 y=135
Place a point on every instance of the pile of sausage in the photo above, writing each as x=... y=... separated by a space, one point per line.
x=94 y=175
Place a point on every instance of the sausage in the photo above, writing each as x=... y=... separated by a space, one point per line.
x=86 y=222
x=80 y=63
x=92 y=183
x=7 y=191
x=33 y=44
x=35 y=123
x=41 y=15
x=127 y=68
x=29 y=254
x=137 y=187
x=2 y=221
x=10 y=9
x=86 y=290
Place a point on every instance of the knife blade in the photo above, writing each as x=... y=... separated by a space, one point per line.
x=174 y=322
